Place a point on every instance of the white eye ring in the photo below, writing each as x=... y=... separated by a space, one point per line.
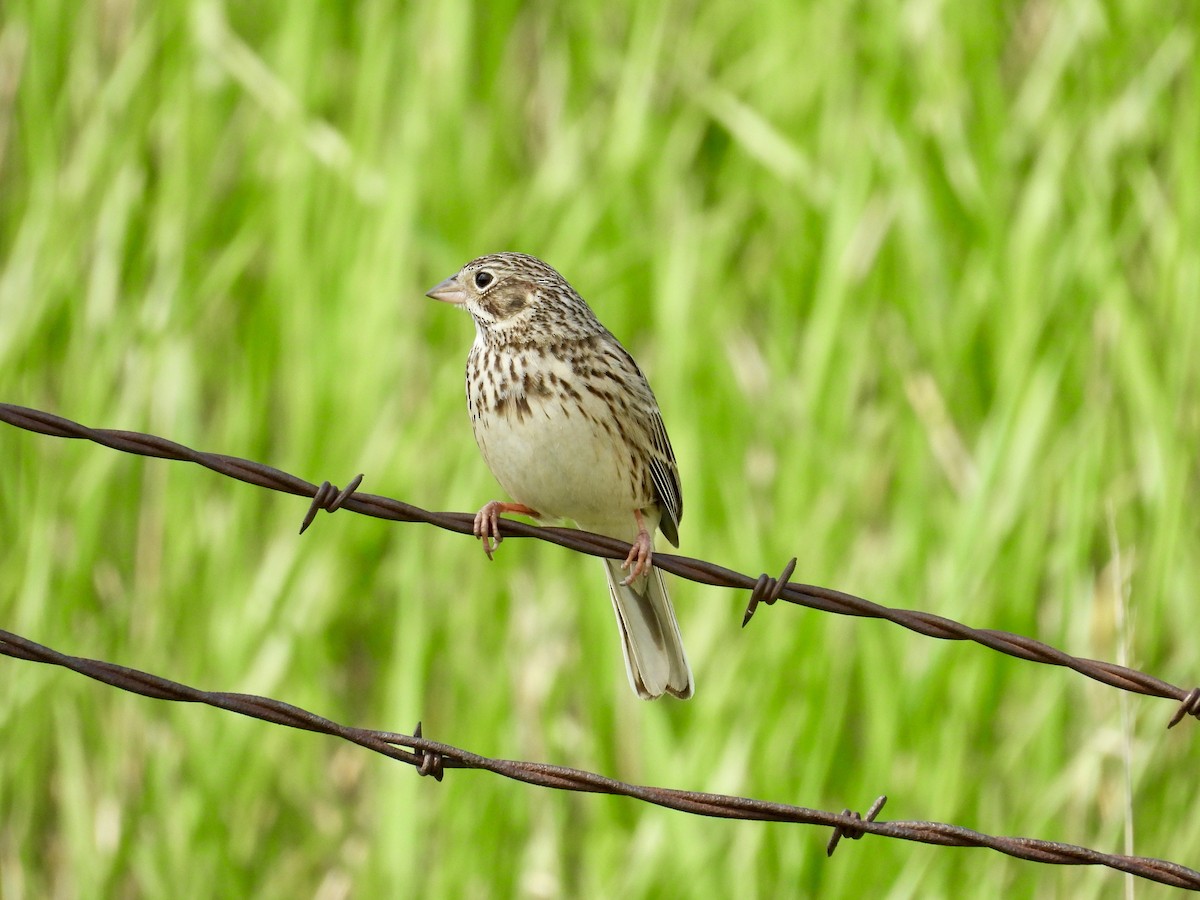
x=483 y=278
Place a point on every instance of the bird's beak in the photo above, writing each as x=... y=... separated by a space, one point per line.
x=448 y=291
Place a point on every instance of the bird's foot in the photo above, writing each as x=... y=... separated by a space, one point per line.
x=487 y=523
x=641 y=554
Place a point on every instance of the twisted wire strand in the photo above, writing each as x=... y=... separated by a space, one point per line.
x=764 y=589
x=434 y=757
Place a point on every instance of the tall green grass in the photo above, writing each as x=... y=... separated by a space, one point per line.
x=917 y=287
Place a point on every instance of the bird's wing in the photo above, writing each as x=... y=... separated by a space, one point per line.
x=664 y=471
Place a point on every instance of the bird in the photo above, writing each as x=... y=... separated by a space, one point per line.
x=569 y=427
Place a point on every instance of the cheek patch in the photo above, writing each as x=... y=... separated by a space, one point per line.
x=511 y=300
x=513 y=304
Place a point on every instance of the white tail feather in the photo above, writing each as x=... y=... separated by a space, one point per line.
x=654 y=657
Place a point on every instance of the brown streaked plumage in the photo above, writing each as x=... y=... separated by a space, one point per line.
x=571 y=430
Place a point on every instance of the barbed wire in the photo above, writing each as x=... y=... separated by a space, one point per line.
x=434 y=758
x=763 y=590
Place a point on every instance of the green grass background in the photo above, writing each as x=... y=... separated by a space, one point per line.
x=917 y=286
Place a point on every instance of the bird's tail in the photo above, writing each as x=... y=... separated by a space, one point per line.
x=650 y=640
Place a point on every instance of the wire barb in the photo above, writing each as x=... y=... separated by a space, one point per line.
x=850 y=831
x=767 y=590
x=1188 y=706
x=330 y=499
x=431 y=763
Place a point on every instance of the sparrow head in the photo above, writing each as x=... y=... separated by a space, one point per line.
x=517 y=296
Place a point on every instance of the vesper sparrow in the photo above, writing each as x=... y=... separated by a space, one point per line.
x=570 y=428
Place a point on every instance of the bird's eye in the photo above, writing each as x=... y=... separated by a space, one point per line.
x=483 y=279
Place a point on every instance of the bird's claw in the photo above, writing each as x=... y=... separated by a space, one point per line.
x=487 y=527
x=487 y=523
x=640 y=558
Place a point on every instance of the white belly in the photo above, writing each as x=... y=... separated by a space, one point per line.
x=562 y=465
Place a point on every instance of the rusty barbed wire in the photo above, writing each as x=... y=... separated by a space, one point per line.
x=434 y=758
x=764 y=589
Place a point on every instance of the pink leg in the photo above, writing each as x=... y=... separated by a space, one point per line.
x=641 y=554
x=487 y=522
